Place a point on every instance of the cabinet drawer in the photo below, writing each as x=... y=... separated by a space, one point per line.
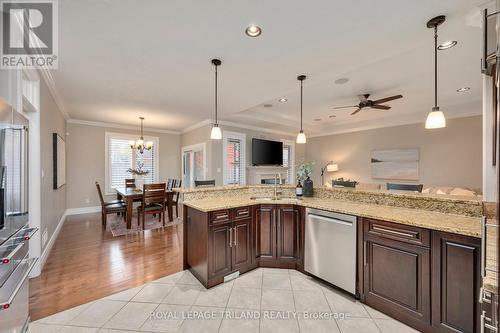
x=241 y=213
x=399 y=232
x=220 y=216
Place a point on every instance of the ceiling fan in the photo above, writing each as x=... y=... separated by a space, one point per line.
x=364 y=102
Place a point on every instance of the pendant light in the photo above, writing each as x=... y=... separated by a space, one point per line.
x=435 y=118
x=216 y=133
x=301 y=137
x=139 y=144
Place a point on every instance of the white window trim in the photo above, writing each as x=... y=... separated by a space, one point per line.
x=198 y=146
x=243 y=171
x=291 y=167
x=126 y=136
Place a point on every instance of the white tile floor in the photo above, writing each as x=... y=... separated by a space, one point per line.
x=263 y=300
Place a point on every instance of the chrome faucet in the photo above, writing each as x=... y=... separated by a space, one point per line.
x=277 y=180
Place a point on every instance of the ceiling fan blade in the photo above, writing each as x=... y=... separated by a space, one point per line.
x=345 y=107
x=363 y=98
x=387 y=99
x=359 y=109
x=381 y=107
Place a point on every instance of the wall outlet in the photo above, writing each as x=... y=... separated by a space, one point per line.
x=45 y=237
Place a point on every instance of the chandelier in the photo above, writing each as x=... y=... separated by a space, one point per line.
x=140 y=145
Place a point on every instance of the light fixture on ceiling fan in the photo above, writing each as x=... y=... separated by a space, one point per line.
x=435 y=118
x=301 y=137
x=139 y=144
x=216 y=133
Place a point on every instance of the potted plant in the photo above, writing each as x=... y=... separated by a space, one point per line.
x=304 y=172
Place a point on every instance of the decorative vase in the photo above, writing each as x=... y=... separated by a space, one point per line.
x=139 y=181
x=308 y=189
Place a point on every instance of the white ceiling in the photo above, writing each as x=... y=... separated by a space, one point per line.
x=121 y=59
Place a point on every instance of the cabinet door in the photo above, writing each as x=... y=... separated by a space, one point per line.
x=455 y=282
x=219 y=248
x=241 y=250
x=288 y=233
x=266 y=232
x=397 y=279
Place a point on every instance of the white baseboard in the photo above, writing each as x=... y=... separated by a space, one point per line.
x=83 y=210
x=52 y=240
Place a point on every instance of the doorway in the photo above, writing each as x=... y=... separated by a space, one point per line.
x=194 y=164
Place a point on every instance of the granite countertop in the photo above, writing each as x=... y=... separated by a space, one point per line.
x=490 y=281
x=459 y=224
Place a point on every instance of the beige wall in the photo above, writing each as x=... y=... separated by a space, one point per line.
x=86 y=160
x=448 y=157
x=53 y=202
x=214 y=147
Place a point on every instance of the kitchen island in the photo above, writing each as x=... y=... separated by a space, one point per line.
x=407 y=246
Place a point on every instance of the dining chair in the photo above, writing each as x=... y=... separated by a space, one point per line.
x=169 y=184
x=175 y=200
x=130 y=183
x=204 y=183
x=110 y=207
x=153 y=202
x=405 y=187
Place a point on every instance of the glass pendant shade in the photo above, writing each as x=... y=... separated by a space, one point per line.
x=301 y=137
x=216 y=133
x=435 y=119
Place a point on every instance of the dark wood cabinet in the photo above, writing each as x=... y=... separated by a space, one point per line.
x=242 y=244
x=219 y=247
x=278 y=235
x=455 y=282
x=396 y=273
x=426 y=279
x=266 y=233
x=287 y=228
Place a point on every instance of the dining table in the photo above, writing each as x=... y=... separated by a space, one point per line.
x=131 y=194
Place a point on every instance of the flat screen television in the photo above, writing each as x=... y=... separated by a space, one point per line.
x=267 y=152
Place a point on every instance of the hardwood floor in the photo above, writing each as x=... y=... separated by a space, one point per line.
x=87 y=263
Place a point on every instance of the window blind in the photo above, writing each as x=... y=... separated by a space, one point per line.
x=121 y=158
x=234 y=160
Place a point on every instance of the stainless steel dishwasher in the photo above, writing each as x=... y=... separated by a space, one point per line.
x=330 y=248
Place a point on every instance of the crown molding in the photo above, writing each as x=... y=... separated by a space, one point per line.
x=49 y=81
x=119 y=126
x=409 y=119
x=197 y=125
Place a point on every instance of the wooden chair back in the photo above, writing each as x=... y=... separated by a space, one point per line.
x=130 y=183
x=101 y=198
x=153 y=194
x=405 y=187
x=177 y=194
x=169 y=184
x=206 y=183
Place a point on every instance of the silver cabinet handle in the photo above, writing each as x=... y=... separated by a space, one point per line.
x=230 y=237
x=235 y=236
x=6 y=305
x=7 y=259
x=481 y=328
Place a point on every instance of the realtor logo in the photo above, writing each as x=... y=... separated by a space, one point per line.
x=29 y=34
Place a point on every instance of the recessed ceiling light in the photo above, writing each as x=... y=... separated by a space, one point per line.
x=332 y=116
x=283 y=100
x=268 y=105
x=253 y=31
x=317 y=119
x=342 y=80
x=447 y=45
x=464 y=89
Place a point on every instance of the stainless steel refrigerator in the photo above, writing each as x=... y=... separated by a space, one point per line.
x=15 y=233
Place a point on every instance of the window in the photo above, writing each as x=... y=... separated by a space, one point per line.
x=234 y=158
x=120 y=157
x=289 y=160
